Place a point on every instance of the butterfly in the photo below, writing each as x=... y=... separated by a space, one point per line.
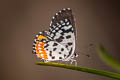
x=57 y=43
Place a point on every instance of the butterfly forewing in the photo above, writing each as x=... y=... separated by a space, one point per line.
x=62 y=30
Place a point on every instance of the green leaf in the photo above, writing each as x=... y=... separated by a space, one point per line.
x=104 y=55
x=83 y=69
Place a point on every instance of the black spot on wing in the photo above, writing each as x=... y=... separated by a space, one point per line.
x=33 y=45
x=62 y=49
x=70 y=43
x=54 y=49
x=55 y=44
x=70 y=52
x=33 y=51
x=60 y=53
x=53 y=57
x=60 y=57
x=67 y=31
x=64 y=55
x=60 y=39
x=50 y=54
x=66 y=46
x=47 y=49
x=69 y=36
x=46 y=45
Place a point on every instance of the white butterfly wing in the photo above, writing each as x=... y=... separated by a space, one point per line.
x=62 y=30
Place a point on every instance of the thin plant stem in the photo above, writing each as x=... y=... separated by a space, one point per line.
x=83 y=69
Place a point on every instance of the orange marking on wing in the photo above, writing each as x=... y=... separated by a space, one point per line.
x=41 y=37
x=41 y=52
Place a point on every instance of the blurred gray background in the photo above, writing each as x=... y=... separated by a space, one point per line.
x=97 y=21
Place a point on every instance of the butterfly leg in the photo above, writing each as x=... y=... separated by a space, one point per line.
x=45 y=60
x=75 y=54
x=73 y=60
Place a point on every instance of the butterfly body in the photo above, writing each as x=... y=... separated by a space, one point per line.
x=58 y=43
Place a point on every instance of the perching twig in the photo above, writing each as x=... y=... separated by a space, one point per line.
x=77 y=68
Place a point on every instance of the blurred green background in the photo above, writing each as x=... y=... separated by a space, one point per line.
x=97 y=21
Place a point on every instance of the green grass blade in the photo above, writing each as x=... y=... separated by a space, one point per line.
x=104 y=55
x=77 y=68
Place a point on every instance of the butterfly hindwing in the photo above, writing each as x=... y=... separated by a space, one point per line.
x=47 y=49
x=40 y=41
